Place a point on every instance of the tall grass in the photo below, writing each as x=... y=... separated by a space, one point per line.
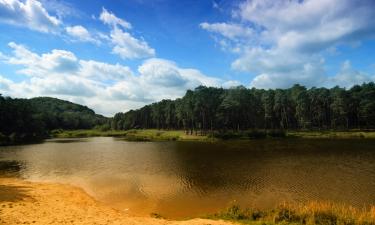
x=313 y=213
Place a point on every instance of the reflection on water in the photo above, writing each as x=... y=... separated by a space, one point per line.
x=178 y=179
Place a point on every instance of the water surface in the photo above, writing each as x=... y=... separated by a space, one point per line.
x=180 y=179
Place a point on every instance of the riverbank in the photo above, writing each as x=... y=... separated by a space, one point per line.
x=23 y=202
x=314 y=213
x=134 y=135
x=180 y=135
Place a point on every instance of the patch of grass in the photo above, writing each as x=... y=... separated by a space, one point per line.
x=86 y=133
x=180 y=135
x=330 y=134
x=163 y=135
x=313 y=213
x=132 y=135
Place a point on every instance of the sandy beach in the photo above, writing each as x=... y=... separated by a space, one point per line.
x=24 y=202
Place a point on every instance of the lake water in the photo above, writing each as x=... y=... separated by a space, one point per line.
x=180 y=179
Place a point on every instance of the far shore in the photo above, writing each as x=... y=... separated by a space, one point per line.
x=181 y=135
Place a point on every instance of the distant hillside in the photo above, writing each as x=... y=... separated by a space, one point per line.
x=24 y=120
x=61 y=114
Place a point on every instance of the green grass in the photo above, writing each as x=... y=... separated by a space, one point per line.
x=86 y=133
x=309 y=214
x=180 y=135
x=133 y=135
x=332 y=134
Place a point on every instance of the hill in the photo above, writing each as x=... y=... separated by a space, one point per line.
x=26 y=120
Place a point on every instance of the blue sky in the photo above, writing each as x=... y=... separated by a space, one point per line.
x=117 y=55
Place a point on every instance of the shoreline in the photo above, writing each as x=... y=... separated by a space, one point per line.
x=154 y=135
x=180 y=135
x=26 y=202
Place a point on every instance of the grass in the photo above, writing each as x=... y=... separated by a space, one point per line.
x=133 y=135
x=314 y=213
x=332 y=134
x=86 y=133
x=180 y=135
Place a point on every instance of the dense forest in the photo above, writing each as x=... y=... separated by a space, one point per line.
x=238 y=108
x=204 y=109
x=23 y=120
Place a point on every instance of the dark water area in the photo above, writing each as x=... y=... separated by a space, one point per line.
x=182 y=179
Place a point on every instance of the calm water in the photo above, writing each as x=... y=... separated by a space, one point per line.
x=179 y=179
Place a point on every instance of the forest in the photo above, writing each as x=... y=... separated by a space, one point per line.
x=204 y=110
x=236 y=109
x=27 y=120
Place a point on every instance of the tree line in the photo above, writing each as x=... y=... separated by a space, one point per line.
x=24 y=120
x=207 y=109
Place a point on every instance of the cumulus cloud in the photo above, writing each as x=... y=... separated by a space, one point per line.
x=228 y=30
x=288 y=38
x=108 y=88
x=128 y=47
x=104 y=71
x=124 y=44
x=29 y=13
x=5 y=84
x=159 y=79
x=348 y=76
x=111 y=19
x=80 y=33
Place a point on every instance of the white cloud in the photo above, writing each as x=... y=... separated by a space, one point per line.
x=312 y=75
x=128 y=47
x=55 y=62
x=81 y=33
x=289 y=38
x=161 y=79
x=124 y=44
x=347 y=77
x=107 y=88
x=228 y=30
x=5 y=84
x=111 y=19
x=29 y=13
x=104 y=71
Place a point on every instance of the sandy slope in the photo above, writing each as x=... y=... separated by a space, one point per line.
x=23 y=202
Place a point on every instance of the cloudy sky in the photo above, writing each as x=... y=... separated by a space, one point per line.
x=117 y=55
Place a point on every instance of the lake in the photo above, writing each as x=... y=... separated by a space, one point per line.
x=182 y=179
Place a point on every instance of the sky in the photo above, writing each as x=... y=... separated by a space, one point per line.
x=117 y=55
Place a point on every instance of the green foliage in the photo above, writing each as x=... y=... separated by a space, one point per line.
x=60 y=114
x=232 y=111
x=30 y=120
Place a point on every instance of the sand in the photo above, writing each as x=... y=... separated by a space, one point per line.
x=24 y=202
